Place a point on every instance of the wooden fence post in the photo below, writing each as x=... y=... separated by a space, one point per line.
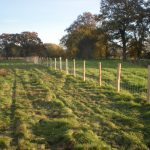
x=67 y=66
x=51 y=63
x=74 y=68
x=37 y=59
x=47 y=62
x=55 y=64
x=40 y=60
x=60 y=64
x=148 y=85
x=118 y=77
x=84 y=70
x=100 y=74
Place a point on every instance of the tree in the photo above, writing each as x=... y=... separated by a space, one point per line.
x=140 y=27
x=78 y=34
x=116 y=16
x=23 y=44
x=6 y=41
x=84 y=38
x=53 y=50
x=125 y=24
x=31 y=43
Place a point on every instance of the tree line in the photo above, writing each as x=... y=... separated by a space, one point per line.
x=122 y=29
x=27 y=44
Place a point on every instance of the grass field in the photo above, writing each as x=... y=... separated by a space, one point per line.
x=133 y=77
x=44 y=109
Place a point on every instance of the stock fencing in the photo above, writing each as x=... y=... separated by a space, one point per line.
x=120 y=77
x=128 y=79
x=133 y=80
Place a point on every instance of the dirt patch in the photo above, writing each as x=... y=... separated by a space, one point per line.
x=3 y=72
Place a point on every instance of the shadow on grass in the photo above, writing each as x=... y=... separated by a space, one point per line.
x=55 y=133
x=13 y=117
x=13 y=105
x=145 y=118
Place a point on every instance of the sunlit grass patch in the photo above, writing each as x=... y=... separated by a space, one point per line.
x=46 y=109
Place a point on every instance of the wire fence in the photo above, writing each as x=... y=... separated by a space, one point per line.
x=133 y=80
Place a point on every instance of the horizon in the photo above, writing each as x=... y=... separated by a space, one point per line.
x=49 y=18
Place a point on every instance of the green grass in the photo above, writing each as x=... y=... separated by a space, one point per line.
x=44 y=109
x=133 y=77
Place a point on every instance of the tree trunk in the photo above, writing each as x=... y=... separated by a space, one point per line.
x=107 y=52
x=139 y=49
x=138 y=54
x=124 y=48
x=124 y=51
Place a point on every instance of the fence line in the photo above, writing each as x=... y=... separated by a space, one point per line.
x=119 y=83
x=60 y=63
x=55 y=64
x=67 y=72
x=148 y=88
x=74 y=67
x=118 y=77
x=100 y=74
x=84 y=70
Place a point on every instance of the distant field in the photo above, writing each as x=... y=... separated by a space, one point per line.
x=41 y=108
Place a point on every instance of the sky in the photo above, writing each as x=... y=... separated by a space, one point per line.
x=49 y=18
